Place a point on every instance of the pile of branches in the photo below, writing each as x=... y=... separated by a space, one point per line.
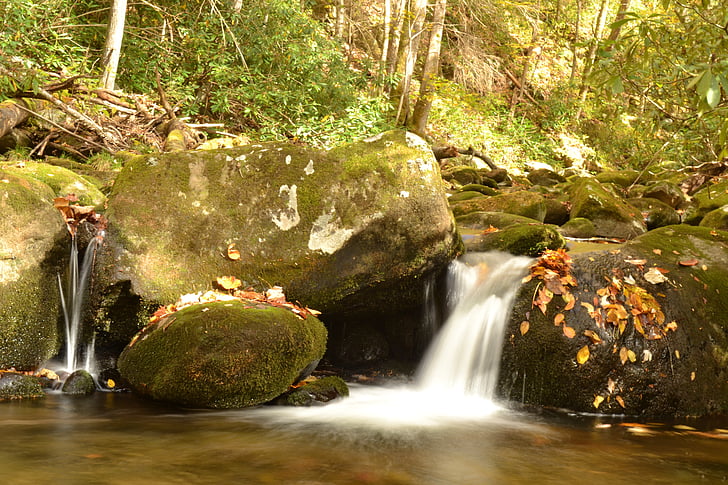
x=72 y=118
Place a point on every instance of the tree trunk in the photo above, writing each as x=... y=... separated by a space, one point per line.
x=432 y=63
x=238 y=4
x=114 y=38
x=574 y=46
x=396 y=38
x=340 y=19
x=11 y=115
x=385 y=43
x=614 y=34
x=414 y=33
x=592 y=55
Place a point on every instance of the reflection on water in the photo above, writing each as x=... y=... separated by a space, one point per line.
x=118 y=438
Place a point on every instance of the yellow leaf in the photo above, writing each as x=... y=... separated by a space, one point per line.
x=622 y=326
x=677 y=354
x=558 y=318
x=233 y=253
x=595 y=338
x=620 y=401
x=657 y=251
x=229 y=282
x=671 y=326
x=588 y=306
x=583 y=354
x=631 y=356
x=623 y=355
x=110 y=383
x=597 y=401
x=569 y=332
x=524 y=327
x=692 y=376
x=570 y=301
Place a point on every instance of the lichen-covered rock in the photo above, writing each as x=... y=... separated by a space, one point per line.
x=522 y=203
x=519 y=239
x=61 y=180
x=351 y=230
x=655 y=212
x=32 y=233
x=79 y=383
x=19 y=386
x=716 y=219
x=223 y=354
x=611 y=216
x=646 y=335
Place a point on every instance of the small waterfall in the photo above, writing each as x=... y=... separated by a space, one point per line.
x=72 y=300
x=464 y=358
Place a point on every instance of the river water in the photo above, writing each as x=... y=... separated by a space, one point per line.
x=443 y=428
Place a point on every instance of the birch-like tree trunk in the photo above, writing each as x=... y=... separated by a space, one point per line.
x=591 y=56
x=429 y=70
x=414 y=29
x=114 y=39
x=385 y=42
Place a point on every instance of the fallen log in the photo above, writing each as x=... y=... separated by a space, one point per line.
x=475 y=153
x=12 y=114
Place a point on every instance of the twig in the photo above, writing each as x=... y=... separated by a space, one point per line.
x=53 y=123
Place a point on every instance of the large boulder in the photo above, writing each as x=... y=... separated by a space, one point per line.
x=225 y=354
x=707 y=199
x=611 y=216
x=520 y=203
x=518 y=239
x=645 y=335
x=33 y=245
x=350 y=231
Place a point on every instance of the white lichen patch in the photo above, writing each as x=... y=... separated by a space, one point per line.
x=327 y=234
x=415 y=141
x=421 y=165
x=198 y=181
x=309 y=168
x=404 y=194
x=288 y=159
x=287 y=217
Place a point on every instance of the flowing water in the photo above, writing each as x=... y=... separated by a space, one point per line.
x=442 y=429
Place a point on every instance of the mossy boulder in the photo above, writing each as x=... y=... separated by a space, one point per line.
x=223 y=354
x=19 y=386
x=611 y=216
x=462 y=175
x=465 y=195
x=79 y=383
x=61 y=180
x=655 y=212
x=705 y=200
x=557 y=211
x=348 y=231
x=519 y=239
x=716 y=219
x=483 y=189
x=483 y=220
x=621 y=178
x=521 y=203
x=673 y=363
x=579 y=228
x=545 y=177
x=33 y=246
x=667 y=192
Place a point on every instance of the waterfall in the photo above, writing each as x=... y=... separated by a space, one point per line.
x=72 y=300
x=464 y=358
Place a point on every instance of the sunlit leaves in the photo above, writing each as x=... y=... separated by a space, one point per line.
x=524 y=327
x=232 y=252
x=229 y=282
x=597 y=401
x=582 y=355
x=569 y=332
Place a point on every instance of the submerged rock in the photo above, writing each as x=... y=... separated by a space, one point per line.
x=19 y=386
x=315 y=392
x=222 y=355
x=646 y=334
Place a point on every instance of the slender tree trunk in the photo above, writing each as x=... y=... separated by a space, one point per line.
x=574 y=46
x=238 y=4
x=396 y=38
x=114 y=38
x=592 y=55
x=340 y=19
x=614 y=34
x=432 y=63
x=414 y=34
x=385 y=43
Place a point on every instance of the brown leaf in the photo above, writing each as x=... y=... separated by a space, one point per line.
x=688 y=262
x=524 y=327
x=558 y=318
x=570 y=301
x=620 y=401
x=233 y=253
x=657 y=251
x=569 y=332
x=595 y=338
x=655 y=276
x=582 y=355
x=623 y=355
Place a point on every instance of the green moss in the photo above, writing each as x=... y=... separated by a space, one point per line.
x=483 y=220
x=523 y=203
x=62 y=181
x=79 y=383
x=708 y=199
x=579 y=227
x=611 y=216
x=520 y=239
x=223 y=355
x=465 y=195
x=18 y=386
x=317 y=391
x=486 y=189
x=622 y=178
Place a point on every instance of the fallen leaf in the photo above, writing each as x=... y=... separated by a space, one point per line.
x=692 y=376
x=620 y=401
x=110 y=383
x=589 y=307
x=623 y=355
x=595 y=338
x=646 y=355
x=671 y=326
x=704 y=268
x=233 y=253
x=558 y=318
x=570 y=301
x=677 y=353
x=655 y=276
x=569 y=332
x=629 y=280
x=524 y=327
x=611 y=385
x=636 y=262
x=229 y=282
x=597 y=401
x=657 y=251
x=688 y=262
x=631 y=356
x=582 y=355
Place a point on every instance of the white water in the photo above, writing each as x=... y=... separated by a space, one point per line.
x=72 y=299
x=456 y=380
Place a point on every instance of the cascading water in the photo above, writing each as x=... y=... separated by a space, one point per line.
x=72 y=300
x=464 y=357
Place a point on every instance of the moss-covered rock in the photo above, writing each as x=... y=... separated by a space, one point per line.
x=545 y=177
x=519 y=239
x=667 y=192
x=521 y=203
x=33 y=239
x=79 y=383
x=579 y=227
x=621 y=178
x=465 y=195
x=557 y=211
x=705 y=200
x=19 y=386
x=673 y=363
x=223 y=354
x=611 y=216
x=655 y=212
x=347 y=231
x=716 y=219
x=462 y=175
x=61 y=180
x=315 y=392
x=483 y=189
x=483 y=220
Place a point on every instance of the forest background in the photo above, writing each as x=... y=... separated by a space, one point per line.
x=619 y=83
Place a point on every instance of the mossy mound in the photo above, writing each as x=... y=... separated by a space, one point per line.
x=716 y=219
x=80 y=383
x=19 y=386
x=579 y=227
x=670 y=357
x=465 y=195
x=545 y=177
x=705 y=200
x=621 y=178
x=611 y=216
x=483 y=220
x=655 y=212
x=522 y=203
x=665 y=191
x=519 y=239
x=33 y=242
x=483 y=189
x=61 y=180
x=223 y=354
x=315 y=392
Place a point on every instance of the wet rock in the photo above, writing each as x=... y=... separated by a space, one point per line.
x=314 y=392
x=669 y=359
x=705 y=200
x=79 y=383
x=655 y=212
x=579 y=227
x=519 y=239
x=522 y=203
x=19 y=386
x=545 y=177
x=716 y=219
x=222 y=355
x=667 y=192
